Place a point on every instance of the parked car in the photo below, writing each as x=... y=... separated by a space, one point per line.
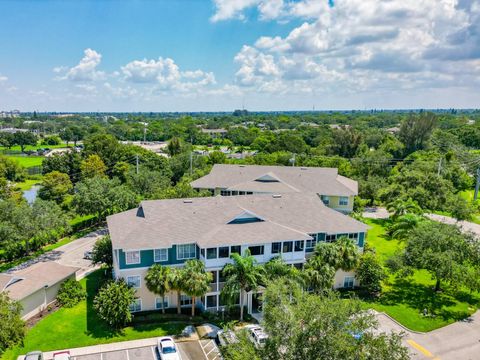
x=87 y=255
x=34 y=355
x=167 y=349
x=62 y=355
x=257 y=335
x=226 y=337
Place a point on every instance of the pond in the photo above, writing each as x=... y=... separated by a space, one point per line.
x=31 y=194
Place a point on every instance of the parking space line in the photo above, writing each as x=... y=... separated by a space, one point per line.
x=128 y=356
x=421 y=349
x=153 y=352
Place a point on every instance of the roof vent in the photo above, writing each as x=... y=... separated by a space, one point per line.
x=187 y=201
x=277 y=196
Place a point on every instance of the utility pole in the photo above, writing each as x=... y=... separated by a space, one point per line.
x=144 y=133
x=136 y=157
x=477 y=185
x=191 y=162
x=439 y=166
x=293 y=160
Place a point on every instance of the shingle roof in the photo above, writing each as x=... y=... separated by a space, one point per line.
x=324 y=181
x=163 y=223
x=34 y=278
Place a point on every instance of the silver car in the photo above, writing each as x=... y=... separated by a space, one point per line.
x=34 y=355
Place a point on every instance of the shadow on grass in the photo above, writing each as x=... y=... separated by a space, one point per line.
x=420 y=296
x=96 y=327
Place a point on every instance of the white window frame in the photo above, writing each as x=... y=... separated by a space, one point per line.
x=343 y=201
x=139 y=281
x=134 y=302
x=158 y=301
x=183 y=296
x=156 y=259
x=186 y=258
x=352 y=278
x=127 y=262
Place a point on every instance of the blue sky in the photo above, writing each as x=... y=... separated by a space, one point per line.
x=201 y=55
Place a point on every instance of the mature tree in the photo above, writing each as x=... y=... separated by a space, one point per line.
x=55 y=186
x=106 y=146
x=346 y=142
x=415 y=131
x=241 y=349
x=242 y=275
x=92 y=166
x=6 y=140
x=177 y=278
x=319 y=275
x=113 y=301
x=47 y=224
x=66 y=135
x=197 y=281
x=147 y=183
x=68 y=163
x=77 y=134
x=102 y=197
x=11 y=169
x=460 y=208
x=370 y=273
x=303 y=326
x=12 y=327
x=102 y=252
x=24 y=138
x=158 y=281
x=174 y=146
x=443 y=250
x=70 y=293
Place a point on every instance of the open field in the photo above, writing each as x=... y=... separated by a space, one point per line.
x=27 y=161
x=404 y=299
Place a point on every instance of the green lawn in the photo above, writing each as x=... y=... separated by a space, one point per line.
x=405 y=298
x=27 y=184
x=27 y=161
x=38 y=146
x=79 y=326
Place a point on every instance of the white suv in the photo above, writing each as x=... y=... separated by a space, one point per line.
x=257 y=335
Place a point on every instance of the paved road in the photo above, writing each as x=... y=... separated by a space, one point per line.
x=458 y=341
x=70 y=254
x=466 y=226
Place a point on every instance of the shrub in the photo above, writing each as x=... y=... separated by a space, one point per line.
x=70 y=293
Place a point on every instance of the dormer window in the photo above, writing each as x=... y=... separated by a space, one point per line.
x=245 y=217
x=267 y=178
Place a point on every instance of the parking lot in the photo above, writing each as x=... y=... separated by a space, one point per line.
x=189 y=350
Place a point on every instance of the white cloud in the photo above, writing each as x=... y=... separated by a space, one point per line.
x=3 y=78
x=362 y=45
x=86 y=70
x=231 y=9
x=166 y=75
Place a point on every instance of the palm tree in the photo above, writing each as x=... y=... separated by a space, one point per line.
x=319 y=275
x=403 y=225
x=243 y=275
x=348 y=256
x=158 y=281
x=177 y=280
x=197 y=280
x=276 y=269
x=401 y=207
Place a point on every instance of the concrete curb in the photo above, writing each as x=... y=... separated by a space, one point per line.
x=399 y=324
